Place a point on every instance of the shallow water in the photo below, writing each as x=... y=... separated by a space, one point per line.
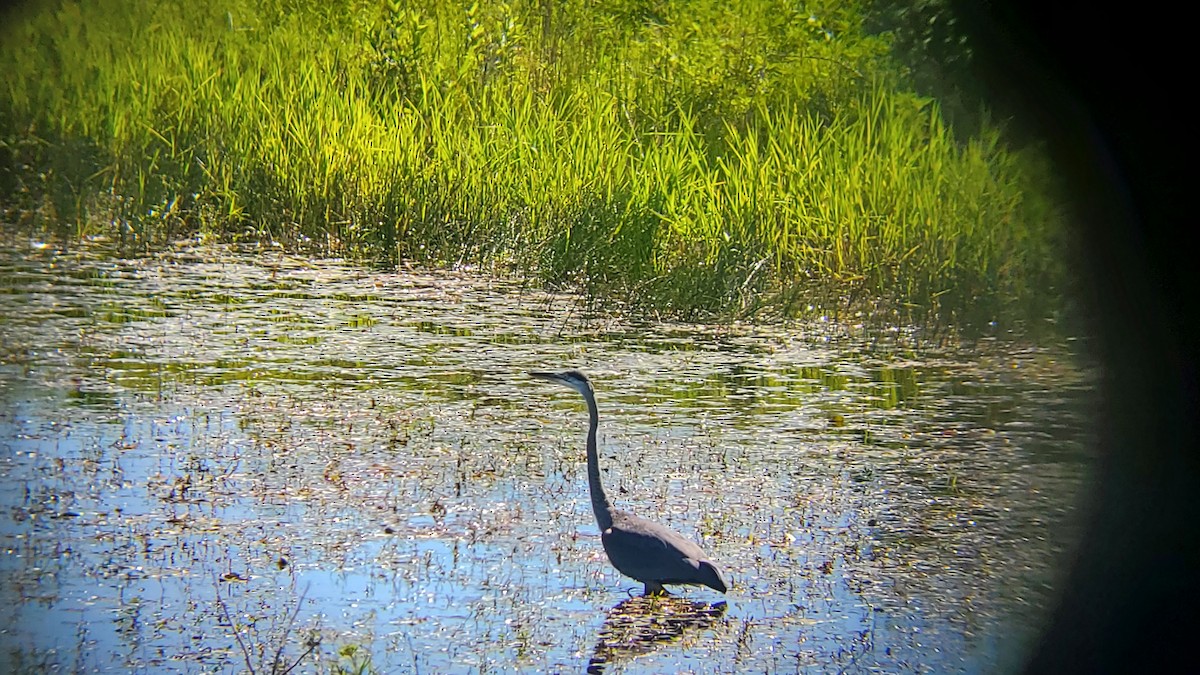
x=212 y=461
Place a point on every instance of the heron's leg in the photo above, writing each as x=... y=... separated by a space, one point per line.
x=654 y=588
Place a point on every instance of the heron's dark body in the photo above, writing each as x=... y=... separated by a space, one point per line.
x=655 y=555
x=640 y=549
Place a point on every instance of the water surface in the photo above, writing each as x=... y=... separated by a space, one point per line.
x=213 y=459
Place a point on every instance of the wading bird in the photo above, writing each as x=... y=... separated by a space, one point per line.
x=638 y=548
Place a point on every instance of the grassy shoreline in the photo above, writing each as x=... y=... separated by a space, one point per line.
x=689 y=158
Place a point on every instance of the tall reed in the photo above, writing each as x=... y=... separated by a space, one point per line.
x=689 y=157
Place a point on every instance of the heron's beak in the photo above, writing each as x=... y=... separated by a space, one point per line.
x=543 y=375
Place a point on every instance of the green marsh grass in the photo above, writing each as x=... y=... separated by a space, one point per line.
x=688 y=158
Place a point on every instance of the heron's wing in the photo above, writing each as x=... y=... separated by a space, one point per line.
x=649 y=552
x=652 y=538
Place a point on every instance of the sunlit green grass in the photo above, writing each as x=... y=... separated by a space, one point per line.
x=692 y=158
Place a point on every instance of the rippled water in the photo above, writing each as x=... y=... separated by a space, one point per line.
x=215 y=460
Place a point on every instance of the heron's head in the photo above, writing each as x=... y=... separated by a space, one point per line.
x=571 y=378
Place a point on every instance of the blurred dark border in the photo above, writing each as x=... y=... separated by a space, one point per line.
x=1106 y=86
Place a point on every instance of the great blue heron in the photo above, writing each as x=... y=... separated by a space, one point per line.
x=638 y=548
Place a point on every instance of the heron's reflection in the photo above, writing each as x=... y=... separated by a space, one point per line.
x=639 y=625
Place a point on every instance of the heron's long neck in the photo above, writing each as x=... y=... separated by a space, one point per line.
x=600 y=504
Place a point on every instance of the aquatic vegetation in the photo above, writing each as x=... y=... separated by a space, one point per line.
x=689 y=158
x=188 y=492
